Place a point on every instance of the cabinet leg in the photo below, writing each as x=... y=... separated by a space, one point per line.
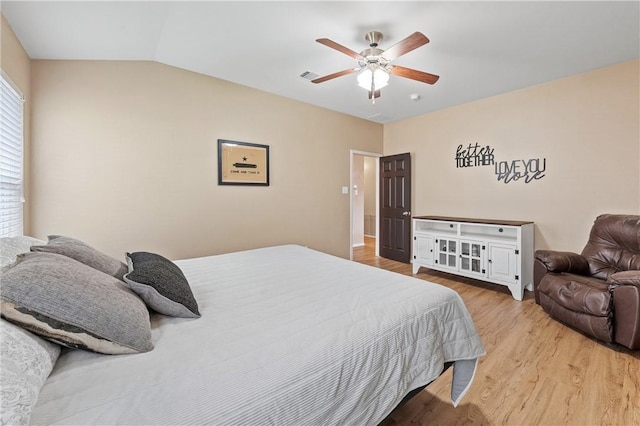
x=517 y=291
x=415 y=268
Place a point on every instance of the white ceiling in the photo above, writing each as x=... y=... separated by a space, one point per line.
x=478 y=48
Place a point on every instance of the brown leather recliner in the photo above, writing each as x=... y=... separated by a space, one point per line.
x=598 y=291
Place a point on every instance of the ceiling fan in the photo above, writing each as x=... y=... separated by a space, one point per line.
x=374 y=64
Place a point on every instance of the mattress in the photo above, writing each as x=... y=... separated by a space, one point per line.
x=288 y=336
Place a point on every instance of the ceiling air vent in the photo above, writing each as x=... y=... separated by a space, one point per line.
x=308 y=75
x=379 y=118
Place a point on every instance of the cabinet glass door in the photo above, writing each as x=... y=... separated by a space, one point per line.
x=447 y=252
x=442 y=252
x=471 y=257
x=452 y=253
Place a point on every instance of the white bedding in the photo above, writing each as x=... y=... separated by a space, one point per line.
x=288 y=336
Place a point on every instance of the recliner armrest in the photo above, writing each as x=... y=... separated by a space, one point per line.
x=563 y=261
x=624 y=278
x=625 y=288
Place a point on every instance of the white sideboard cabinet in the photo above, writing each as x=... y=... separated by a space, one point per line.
x=498 y=251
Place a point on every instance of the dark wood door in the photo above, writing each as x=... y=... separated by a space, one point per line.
x=395 y=207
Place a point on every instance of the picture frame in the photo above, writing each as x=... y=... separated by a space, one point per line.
x=242 y=163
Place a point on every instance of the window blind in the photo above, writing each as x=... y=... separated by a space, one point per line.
x=11 y=160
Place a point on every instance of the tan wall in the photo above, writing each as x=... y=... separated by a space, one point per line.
x=125 y=155
x=17 y=66
x=586 y=127
x=357 y=179
x=370 y=179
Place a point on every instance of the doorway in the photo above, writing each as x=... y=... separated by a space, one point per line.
x=364 y=188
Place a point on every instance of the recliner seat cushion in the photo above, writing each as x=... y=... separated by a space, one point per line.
x=582 y=302
x=599 y=327
x=578 y=293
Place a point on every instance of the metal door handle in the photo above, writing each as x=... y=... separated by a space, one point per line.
x=406 y=213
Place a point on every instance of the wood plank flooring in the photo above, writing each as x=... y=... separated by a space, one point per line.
x=536 y=371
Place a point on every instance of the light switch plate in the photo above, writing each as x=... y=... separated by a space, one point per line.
x=345 y=189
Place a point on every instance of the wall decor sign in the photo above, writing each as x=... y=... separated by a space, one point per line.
x=242 y=163
x=514 y=170
x=475 y=155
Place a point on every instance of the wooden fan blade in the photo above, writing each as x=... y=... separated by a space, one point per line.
x=374 y=94
x=340 y=48
x=334 y=75
x=414 y=41
x=424 y=77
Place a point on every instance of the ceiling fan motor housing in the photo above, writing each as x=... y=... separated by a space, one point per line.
x=373 y=37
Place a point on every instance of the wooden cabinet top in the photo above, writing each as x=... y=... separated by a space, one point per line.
x=470 y=220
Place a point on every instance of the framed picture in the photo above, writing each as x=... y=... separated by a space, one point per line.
x=242 y=163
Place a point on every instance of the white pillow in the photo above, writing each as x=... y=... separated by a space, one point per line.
x=10 y=247
x=26 y=361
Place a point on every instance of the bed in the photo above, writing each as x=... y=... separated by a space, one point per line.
x=287 y=336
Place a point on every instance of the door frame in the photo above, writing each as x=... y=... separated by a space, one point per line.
x=352 y=153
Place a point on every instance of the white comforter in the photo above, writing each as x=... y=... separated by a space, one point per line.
x=288 y=336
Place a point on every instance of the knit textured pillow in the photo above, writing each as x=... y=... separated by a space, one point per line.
x=161 y=284
x=75 y=305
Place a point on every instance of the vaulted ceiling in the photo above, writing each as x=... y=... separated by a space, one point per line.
x=479 y=48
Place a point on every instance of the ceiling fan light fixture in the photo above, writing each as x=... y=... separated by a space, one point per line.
x=380 y=78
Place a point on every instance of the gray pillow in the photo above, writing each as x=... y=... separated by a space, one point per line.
x=161 y=284
x=83 y=253
x=75 y=305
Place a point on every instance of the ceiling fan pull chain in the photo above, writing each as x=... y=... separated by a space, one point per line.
x=372 y=93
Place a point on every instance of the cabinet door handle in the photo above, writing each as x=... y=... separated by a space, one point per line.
x=489 y=260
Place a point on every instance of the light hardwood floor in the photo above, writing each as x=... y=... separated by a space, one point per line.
x=536 y=371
